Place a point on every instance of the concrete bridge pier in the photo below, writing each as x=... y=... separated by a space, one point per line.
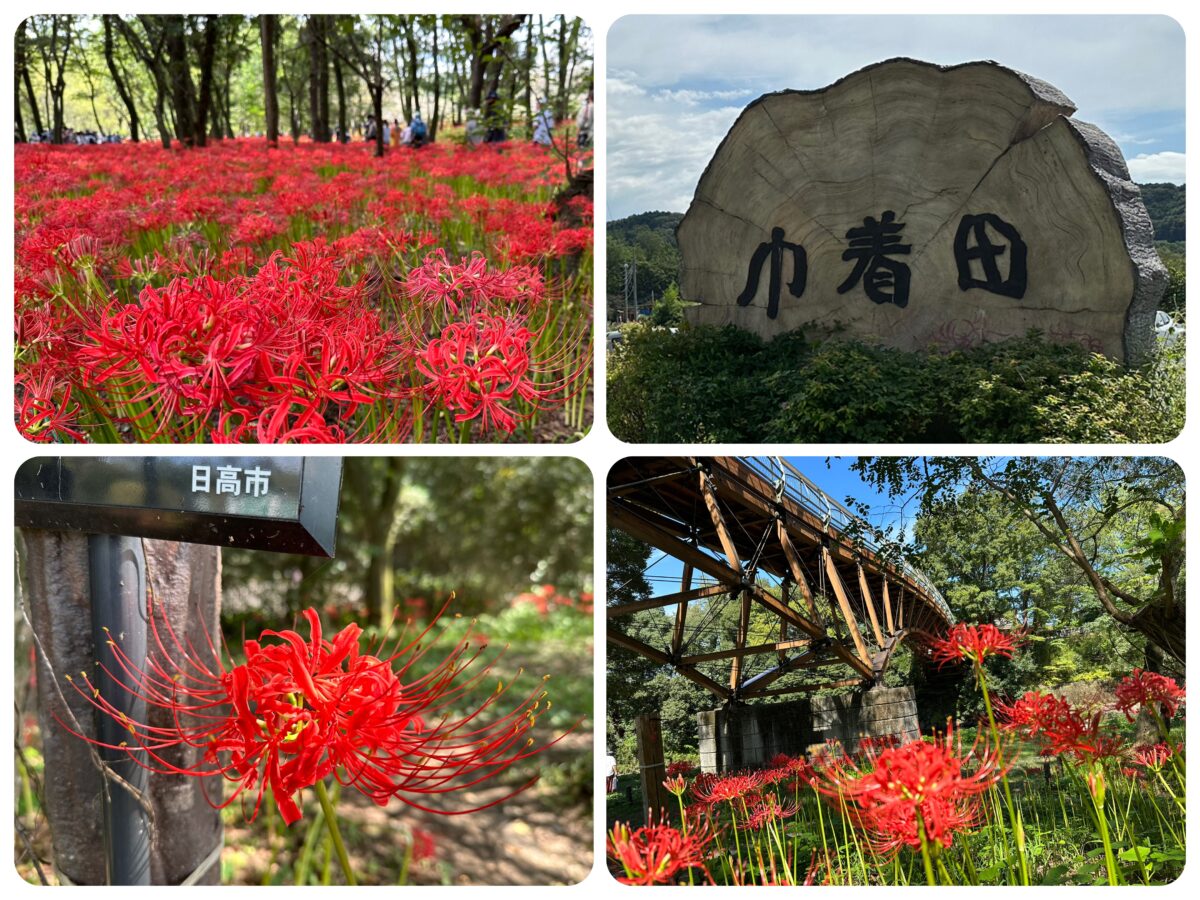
x=740 y=737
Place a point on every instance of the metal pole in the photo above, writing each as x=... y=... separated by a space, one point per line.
x=117 y=570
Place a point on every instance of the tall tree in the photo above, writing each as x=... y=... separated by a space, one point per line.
x=343 y=127
x=21 y=62
x=179 y=76
x=53 y=36
x=363 y=53
x=435 y=120
x=149 y=50
x=1076 y=504
x=114 y=71
x=207 y=59
x=269 y=31
x=486 y=37
x=316 y=39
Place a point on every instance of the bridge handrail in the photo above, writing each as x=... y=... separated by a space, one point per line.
x=800 y=490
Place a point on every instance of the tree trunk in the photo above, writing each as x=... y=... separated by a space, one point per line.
x=315 y=31
x=212 y=28
x=118 y=82
x=185 y=579
x=410 y=41
x=377 y=104
x=20 y=123
x=530 y=45
x=54 y=69
x=151 y=58
x=568 y=40
x=22 y=66
x=269 y=29
x=483 y=40
x=340 y=84
x=322 y=48
x=435 y=122
x=180 y=77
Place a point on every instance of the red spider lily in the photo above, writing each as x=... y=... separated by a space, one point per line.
x=767 y=809
x=871 y=745
x=919 y=785
x=424 y=846
x=1153 y=756
x=681 y=767
x=1143 y=688
x=658 y=854
x=676 y=785
x=298 y=710
x=727 y=788
x=1059 y=727
x=472 y=284
x=45 y=411
x=976 y=643
x=479 y=368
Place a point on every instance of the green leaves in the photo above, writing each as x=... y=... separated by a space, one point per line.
x=724 y=384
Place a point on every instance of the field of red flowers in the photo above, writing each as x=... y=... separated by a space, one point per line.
x=1046 y=793
x=310 y=293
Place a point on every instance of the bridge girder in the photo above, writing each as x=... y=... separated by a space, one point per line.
x=721 y=517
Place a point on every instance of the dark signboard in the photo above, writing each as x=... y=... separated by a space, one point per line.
x=285 y=504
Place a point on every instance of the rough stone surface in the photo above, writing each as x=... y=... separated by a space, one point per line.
x=185 y=579
x=932 y=145
x=749 y=736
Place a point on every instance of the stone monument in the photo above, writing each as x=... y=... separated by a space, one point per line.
x=923 y=207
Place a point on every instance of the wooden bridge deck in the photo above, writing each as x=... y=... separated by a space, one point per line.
x=763 y=535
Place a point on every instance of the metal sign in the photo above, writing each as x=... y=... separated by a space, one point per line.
x=284 y=504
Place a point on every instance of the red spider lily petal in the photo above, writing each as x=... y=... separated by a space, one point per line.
x=919 y=784
x=658 y=854
x=300 y=709
x=976 y=643
x=1142 y=688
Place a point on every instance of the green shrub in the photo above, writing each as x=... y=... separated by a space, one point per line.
x=699 y=384
x=710 y=384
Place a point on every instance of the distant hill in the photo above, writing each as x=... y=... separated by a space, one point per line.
x=1165 y=203
x=649 y=240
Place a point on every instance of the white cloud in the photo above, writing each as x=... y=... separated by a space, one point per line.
x=667 y=73
x=1147 y=168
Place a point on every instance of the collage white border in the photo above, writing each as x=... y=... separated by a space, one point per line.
x=599 y=449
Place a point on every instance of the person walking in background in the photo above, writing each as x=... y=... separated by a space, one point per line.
x=543 y=124
x=419 y=131
x=493 y=114
x=583 y=121
x=395 y=133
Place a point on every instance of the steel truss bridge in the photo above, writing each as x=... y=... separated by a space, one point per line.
x=756 y=533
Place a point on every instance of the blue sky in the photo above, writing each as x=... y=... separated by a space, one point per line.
x=833 y=476
x=677 y=83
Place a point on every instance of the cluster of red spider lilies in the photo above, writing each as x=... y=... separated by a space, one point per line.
x=309 y=293
x=930 y=811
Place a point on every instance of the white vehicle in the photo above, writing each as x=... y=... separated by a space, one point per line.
x=1167 y=329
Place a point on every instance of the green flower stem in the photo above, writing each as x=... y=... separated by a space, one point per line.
x=332 y=823
x=1013 y=818
x=929 y=877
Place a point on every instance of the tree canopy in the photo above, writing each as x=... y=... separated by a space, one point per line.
x=195 y=78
